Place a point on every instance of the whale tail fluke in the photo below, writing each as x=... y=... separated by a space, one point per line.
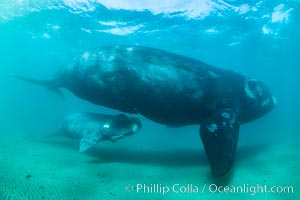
x=52 y=85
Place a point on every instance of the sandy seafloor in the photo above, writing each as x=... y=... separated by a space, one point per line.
x=52 y=168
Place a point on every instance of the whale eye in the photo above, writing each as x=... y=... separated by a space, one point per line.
x=106 y=125
x=135 y=128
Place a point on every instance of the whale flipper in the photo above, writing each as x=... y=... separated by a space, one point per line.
x=89 y=140
x=219 y=134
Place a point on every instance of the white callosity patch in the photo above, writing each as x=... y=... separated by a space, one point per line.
x=266 y=102
x=229 y=117
x=212 y=127
x=248 y=91
x=226 y=115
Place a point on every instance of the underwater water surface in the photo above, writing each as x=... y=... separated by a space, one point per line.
x=258 y=38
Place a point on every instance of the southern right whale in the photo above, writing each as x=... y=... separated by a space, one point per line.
x=170 y=89
x=92 y=128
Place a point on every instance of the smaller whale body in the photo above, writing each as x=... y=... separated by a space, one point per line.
x=92 y=128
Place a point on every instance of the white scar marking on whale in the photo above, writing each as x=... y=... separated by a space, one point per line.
x=85 y=61
x=248 y=91
x=212 y=127
x=213 y=74
x=162 y=73
x=97 y=80
x=106 y=125
x=267 y=102
x=158 y=76
x=226 y=115
x=106 y=60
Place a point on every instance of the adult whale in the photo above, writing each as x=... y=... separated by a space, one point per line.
x=169 y=89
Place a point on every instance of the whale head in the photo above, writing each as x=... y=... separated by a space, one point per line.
x=259 y=100
x=123 y=125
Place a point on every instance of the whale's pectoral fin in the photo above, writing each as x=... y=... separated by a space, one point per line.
x=219 y=134
x=89 y=140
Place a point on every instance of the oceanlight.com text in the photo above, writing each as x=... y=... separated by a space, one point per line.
x=162 y=189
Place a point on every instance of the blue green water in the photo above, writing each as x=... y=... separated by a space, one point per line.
x=258 y=38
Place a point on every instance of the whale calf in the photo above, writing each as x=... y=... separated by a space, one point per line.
x=170 y=89
x=92 y=128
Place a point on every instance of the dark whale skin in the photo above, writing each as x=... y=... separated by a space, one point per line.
x=167 y=88
x=170 y=89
